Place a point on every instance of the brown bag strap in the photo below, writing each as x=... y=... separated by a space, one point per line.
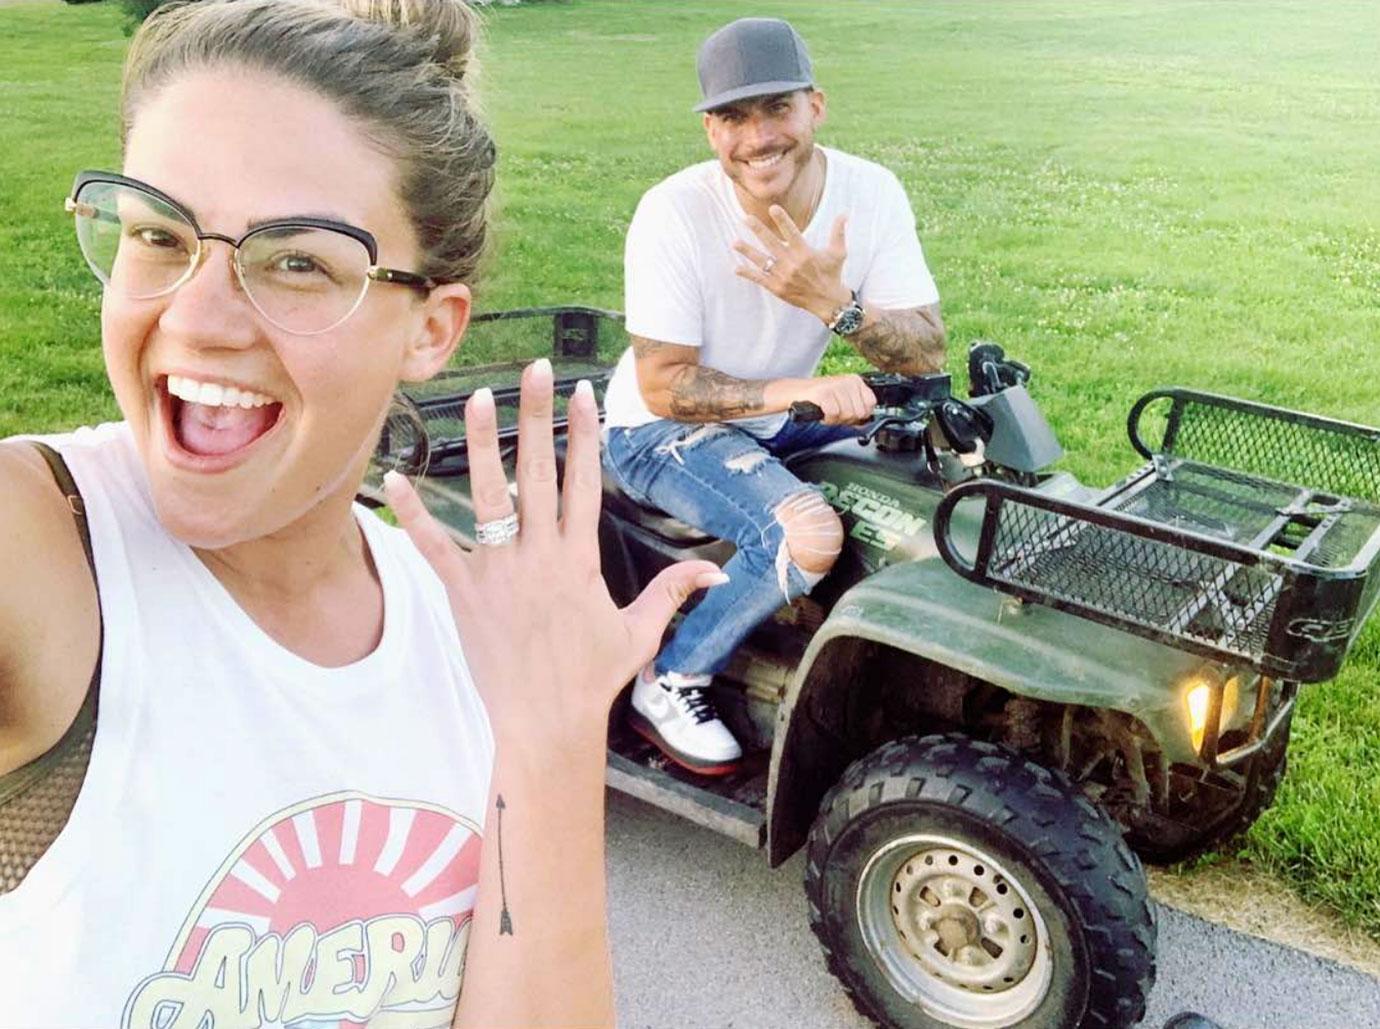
x=63 y=476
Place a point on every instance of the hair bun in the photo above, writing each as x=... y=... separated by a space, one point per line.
x=450 y=25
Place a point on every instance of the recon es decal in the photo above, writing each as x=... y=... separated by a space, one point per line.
x=878 y=519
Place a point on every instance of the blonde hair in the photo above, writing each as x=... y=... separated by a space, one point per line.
x=400 y=68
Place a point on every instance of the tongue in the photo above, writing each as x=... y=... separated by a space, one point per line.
x=212 y=431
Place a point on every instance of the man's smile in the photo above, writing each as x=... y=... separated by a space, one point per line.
x=758 y=163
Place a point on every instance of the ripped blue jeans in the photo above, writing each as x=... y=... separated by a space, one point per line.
x=729 y=484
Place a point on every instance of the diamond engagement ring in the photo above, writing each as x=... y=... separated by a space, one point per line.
x=766 y=268
x=497 y=532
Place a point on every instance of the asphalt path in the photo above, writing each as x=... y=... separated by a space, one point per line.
x=706 y=936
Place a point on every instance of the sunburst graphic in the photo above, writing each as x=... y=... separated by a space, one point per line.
x=341 y=912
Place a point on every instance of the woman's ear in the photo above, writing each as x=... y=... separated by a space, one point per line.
x=445 y=313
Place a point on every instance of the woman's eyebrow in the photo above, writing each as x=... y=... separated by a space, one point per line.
x=327 y=216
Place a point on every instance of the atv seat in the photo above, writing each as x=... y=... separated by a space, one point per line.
x=652 y=519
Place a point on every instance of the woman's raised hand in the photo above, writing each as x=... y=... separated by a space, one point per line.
x=548 y=648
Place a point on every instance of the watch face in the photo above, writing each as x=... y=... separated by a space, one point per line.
x=849 y=320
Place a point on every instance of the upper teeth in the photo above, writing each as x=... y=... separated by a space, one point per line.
x=764 y=162
x=213 y=394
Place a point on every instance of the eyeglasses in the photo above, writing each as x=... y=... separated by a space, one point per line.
x=304 y=275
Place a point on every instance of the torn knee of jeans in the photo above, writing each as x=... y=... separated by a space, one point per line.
x=786 y=566
x=814 y=533
x=745 y=463
x=812 y=540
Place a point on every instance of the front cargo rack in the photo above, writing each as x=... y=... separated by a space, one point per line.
x=1251 y=536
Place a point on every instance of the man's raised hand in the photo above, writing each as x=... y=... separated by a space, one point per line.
x=788 y=267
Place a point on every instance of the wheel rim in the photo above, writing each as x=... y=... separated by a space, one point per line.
x=954 y=931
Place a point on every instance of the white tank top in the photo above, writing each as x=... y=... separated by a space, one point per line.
x=260 y=841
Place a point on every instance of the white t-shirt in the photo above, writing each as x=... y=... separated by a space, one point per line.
x=258 y=837
x=679 y=285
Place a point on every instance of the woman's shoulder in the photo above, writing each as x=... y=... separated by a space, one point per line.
x=30 y=495
x=49 y=620
x=33 y=505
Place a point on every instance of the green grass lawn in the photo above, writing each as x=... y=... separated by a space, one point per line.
x=1125 y=194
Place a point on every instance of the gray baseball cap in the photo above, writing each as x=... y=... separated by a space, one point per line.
x=752 y=57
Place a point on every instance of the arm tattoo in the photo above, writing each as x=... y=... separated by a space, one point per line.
x=646 y=347
x=909 y=340
x=698 y=393
x=505 y=920
x=703 y=394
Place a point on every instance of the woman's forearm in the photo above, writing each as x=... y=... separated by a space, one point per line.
x=538 y=948
x=549 y=651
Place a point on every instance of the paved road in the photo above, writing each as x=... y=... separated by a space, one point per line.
x=707 y=937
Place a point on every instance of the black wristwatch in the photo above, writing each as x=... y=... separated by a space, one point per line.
x=847 y=319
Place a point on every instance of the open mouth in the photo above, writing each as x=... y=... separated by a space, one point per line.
x=215 y=422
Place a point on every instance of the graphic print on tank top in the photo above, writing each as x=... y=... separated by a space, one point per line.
x=336 y=913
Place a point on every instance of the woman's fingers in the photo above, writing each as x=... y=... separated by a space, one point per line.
x=582 y=490
x=536 y=457
x=648 y=615
x=426 y=533
x=488 y=482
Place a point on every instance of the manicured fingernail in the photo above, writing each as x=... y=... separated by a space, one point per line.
x=393 y=479
x=542 y=366
x=709 y=579
x=584 y=388
x=482 y=396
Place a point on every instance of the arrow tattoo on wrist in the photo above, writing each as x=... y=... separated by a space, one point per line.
x=505 y=920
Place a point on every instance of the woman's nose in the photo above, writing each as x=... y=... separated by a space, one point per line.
x=211 y=308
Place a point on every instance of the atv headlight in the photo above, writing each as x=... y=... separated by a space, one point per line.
x=1198 y=700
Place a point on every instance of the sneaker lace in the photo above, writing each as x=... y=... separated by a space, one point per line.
x=694 y=701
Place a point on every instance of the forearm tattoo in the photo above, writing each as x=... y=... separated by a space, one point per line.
x=697 y=393
x=910 y=341
x=703 y=393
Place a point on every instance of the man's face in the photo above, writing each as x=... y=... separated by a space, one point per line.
x=765 y=144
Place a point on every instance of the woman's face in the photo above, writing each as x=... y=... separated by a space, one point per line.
x=237 y=148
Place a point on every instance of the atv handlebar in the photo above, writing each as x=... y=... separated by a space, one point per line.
x=906 y=400
x=806 y=411
x=892 y=391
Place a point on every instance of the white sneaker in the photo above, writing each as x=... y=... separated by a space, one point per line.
x=675 y=713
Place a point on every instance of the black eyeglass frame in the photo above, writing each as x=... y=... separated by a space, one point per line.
x=394 y=276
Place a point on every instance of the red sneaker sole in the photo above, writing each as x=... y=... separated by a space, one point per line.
x=643 y=729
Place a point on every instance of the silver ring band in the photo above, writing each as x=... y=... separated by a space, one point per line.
x=497 y=532
x=766 y=268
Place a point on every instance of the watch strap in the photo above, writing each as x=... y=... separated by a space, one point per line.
x=853 y=305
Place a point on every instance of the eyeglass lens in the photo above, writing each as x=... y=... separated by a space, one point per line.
x=303 y=279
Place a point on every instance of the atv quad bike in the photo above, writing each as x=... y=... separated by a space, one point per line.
x=1011 y=684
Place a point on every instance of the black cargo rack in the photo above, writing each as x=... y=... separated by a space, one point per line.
x=426 y=431
x=1251 y=536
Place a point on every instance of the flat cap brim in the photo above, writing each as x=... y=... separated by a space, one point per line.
x=756 y=89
